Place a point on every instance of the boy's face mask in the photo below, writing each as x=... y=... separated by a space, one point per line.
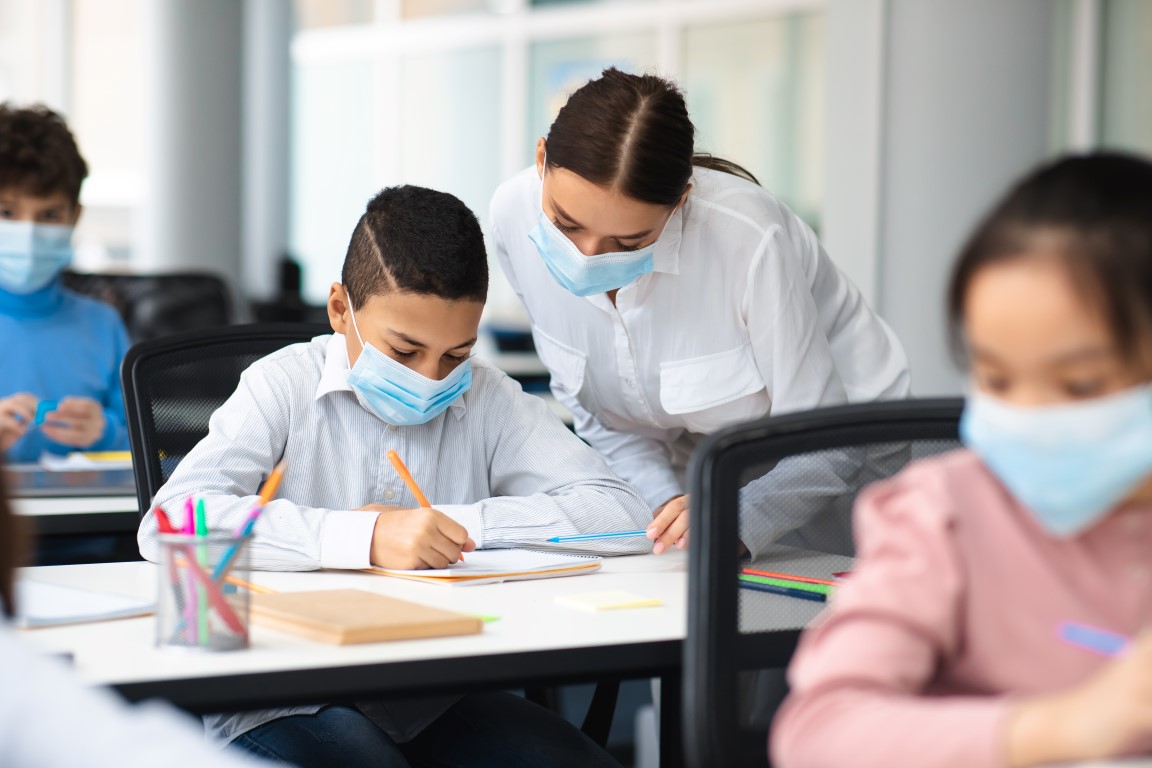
x=397 y=394
x=32 y=254
x=1068 y=464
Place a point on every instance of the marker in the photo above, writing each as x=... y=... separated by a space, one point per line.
x=788 y=577
x=1092 y=638
x=591 y=536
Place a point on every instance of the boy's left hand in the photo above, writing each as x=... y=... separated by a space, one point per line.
x=77 y=421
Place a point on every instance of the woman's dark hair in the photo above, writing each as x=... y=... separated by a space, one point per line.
x=11 y=550
x=38 y=154
x=416 y=240
x=631 y=132
x=1092 y=212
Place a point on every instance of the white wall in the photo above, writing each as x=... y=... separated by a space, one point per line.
x=963 y=94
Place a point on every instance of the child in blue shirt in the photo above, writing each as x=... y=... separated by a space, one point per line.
x=57 y=347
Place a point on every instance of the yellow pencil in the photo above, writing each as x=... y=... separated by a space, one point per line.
x=410 y=481
x=239 y=582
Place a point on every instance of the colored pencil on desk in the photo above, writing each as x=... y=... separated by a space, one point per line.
x=772 y=588
x=591 y=536
x=410 y=481
x=819 y=589
x=788 y=577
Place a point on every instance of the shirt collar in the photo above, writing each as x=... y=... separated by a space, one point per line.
x=334 y=376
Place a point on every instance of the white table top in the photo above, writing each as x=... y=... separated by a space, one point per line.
x=74 y=505
x=122 y=652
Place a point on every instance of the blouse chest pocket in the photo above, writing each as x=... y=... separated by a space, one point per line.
x=567 y=366
x=714 y=391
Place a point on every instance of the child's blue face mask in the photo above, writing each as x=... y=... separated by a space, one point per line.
x=587 y=275
x=396 y=393
x=32 y=254
x=1068 y=464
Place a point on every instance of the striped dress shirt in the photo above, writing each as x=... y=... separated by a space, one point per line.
x=497 y=461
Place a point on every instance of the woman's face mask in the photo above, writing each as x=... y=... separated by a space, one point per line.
x=587 y=275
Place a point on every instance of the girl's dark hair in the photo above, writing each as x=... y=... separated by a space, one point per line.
x=1094 y=212
x=11 y=550
x=631 y=132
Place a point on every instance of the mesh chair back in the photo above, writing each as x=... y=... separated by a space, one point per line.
x=784 y=487
x=152 y=306
x=173 y=385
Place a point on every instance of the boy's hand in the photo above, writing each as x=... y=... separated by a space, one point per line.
x=1108 y=715
x=17 y=413
x=77 y=421
x=418 y=538
x=669 y=525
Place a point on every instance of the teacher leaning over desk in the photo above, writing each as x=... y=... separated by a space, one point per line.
x=670 y=295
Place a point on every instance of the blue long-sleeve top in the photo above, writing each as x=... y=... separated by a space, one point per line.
x=56 y=344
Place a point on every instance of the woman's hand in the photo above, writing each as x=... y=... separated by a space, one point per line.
x=1109 y=715
x=17 y=413
x=669 y=525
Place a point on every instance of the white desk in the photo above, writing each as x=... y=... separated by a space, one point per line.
x=74 y=502
x=535 y=642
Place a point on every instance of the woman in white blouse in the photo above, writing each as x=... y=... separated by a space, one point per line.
x=670 y=295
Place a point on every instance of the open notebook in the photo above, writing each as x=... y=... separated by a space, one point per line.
x=39 y=604
x=488 y=566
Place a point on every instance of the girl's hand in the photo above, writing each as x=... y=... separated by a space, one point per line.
x=17 y=413
x=1109 y=715
x=669 y=525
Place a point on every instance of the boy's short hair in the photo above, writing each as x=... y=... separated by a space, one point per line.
x=416 y=240
x=38 y=154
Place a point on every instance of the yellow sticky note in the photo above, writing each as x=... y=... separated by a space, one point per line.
x=609 y=600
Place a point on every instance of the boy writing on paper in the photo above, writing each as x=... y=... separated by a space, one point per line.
x=56 y=346
x=500 y=469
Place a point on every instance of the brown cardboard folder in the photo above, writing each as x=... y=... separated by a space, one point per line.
x=344 y=616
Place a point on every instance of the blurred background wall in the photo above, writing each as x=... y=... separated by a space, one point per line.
x=226 y=134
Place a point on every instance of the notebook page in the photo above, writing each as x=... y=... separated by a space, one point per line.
x=490 y=561
x=39 y=604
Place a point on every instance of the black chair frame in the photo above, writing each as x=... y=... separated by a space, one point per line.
x=135 y=369
x=715 y=650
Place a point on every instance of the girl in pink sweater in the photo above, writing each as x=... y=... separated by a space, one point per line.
x=997 y=614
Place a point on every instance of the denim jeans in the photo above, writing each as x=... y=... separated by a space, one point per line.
x=482 y=730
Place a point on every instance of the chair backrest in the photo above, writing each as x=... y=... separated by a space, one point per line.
x=791 y=480
x=153 y=306
x=173 y=385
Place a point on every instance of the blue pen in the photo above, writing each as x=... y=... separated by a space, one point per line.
x=1092 y=638
x=590 y=536
x=799 y=593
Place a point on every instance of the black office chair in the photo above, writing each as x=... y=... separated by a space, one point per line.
x=173 y=385
x=153 y=306
x=748 y=484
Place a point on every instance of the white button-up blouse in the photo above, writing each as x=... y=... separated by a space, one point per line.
x=743 y=316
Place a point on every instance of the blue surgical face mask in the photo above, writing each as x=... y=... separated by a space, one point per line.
x=1068 y=464
x=587 y=275
x=396 y=393
x=32 y=254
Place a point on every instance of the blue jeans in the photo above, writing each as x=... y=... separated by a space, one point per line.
x=482 y=730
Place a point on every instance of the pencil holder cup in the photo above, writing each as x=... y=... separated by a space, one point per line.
x=199 y=606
